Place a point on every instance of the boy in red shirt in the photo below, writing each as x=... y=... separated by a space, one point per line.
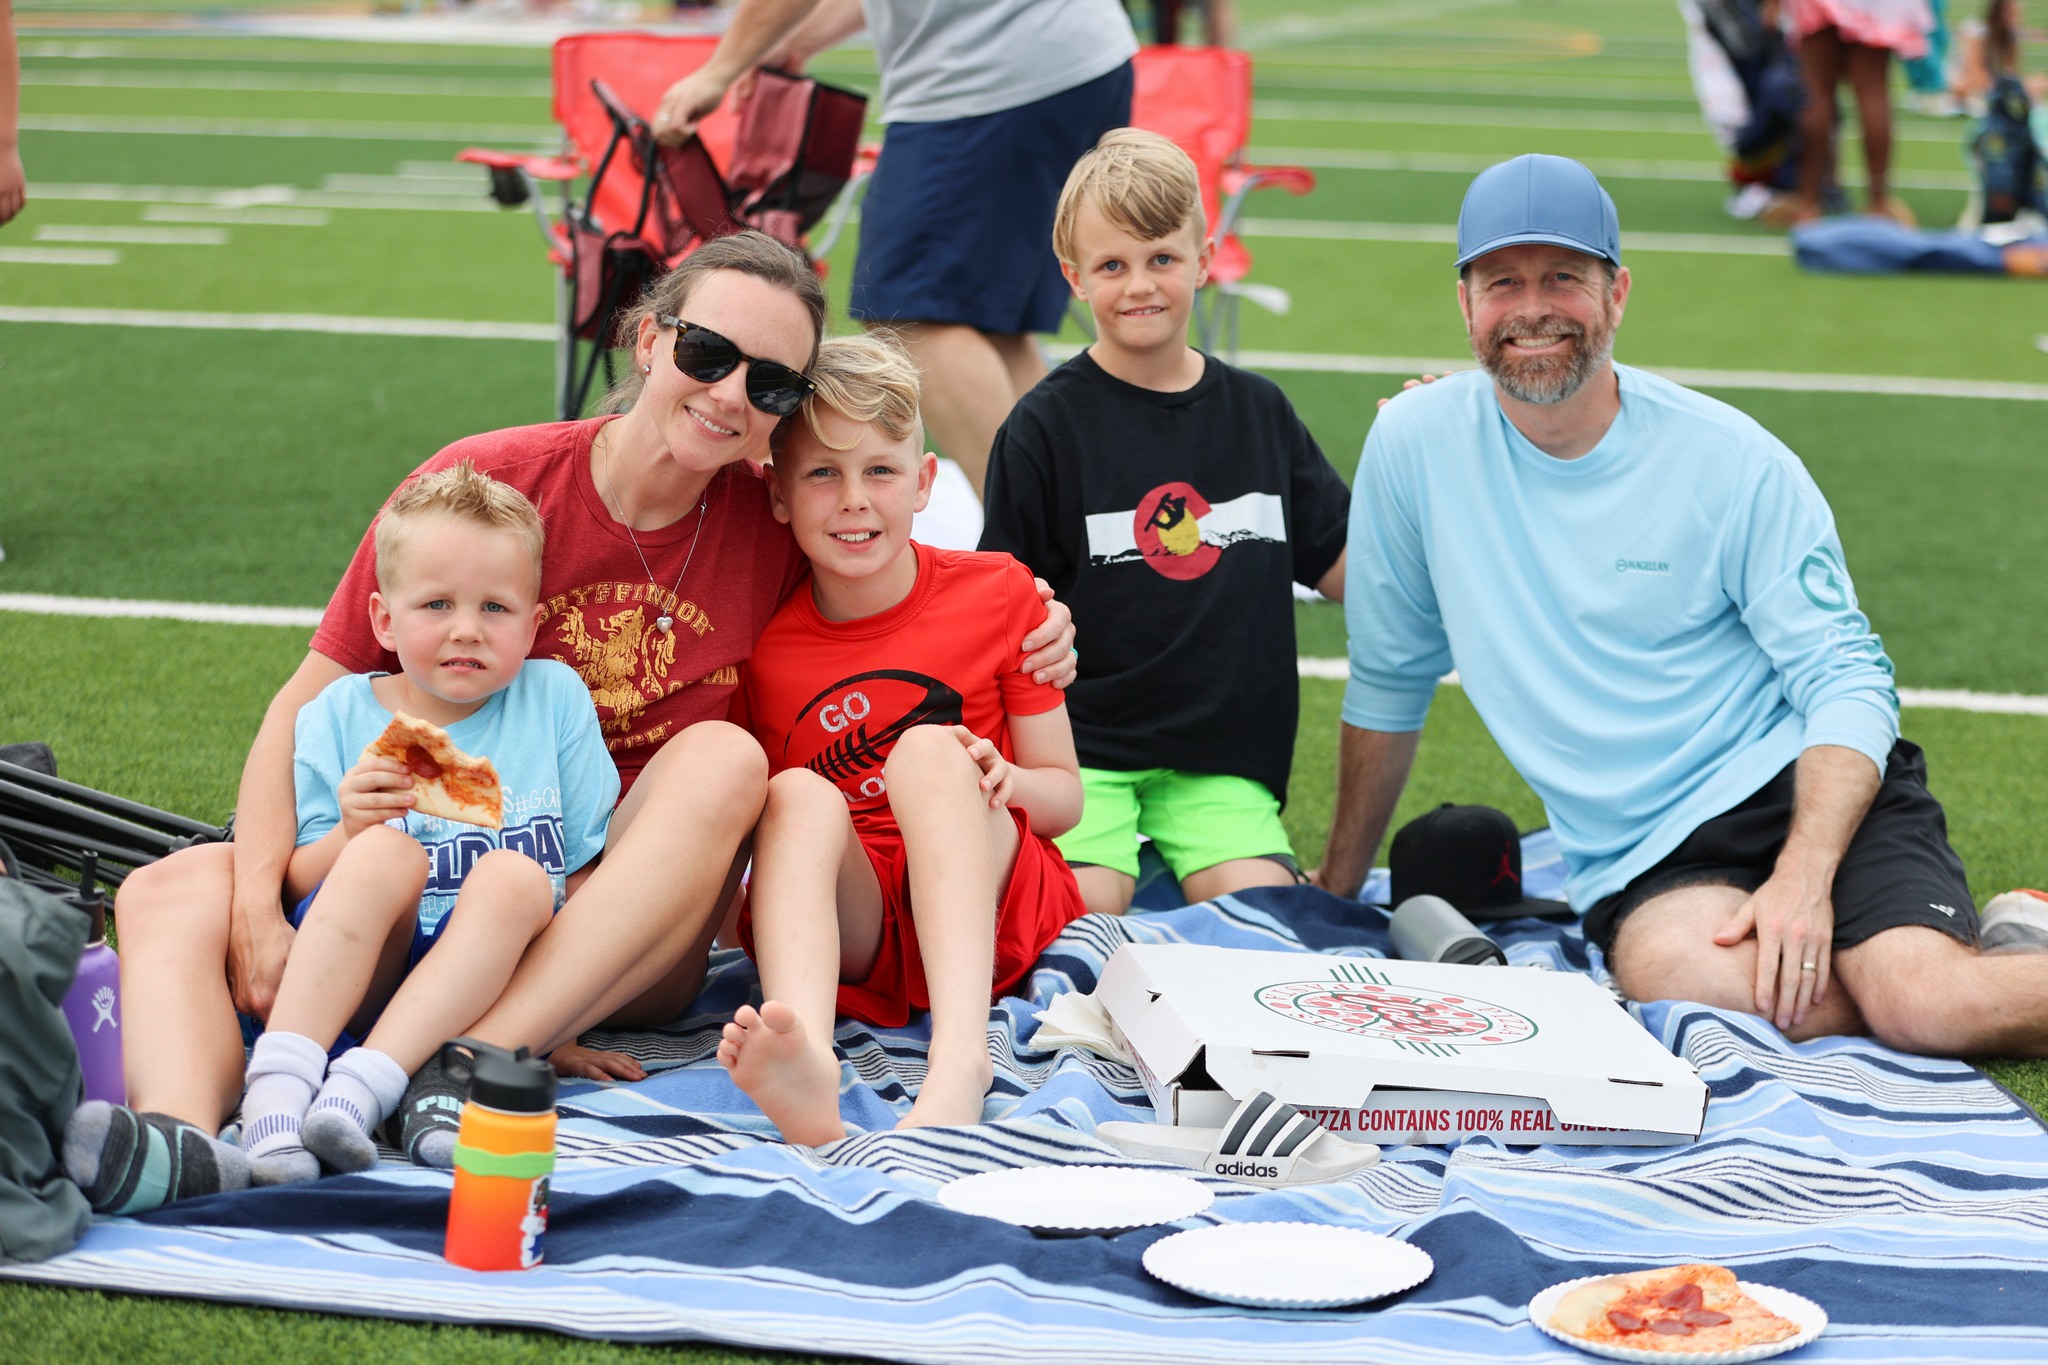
x=904 y=859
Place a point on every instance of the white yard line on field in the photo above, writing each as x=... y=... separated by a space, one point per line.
x=1906 y=386
x=302 y=83
x=255 y=217
x=331 y=323
x=1506 y=116
x=1327 y=230
x=223 y=613
x=349 y=130
x=1607 y=168
x=56 y=255
x=131 y=236
x=418 y=194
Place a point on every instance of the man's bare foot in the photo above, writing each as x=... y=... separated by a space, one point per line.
x=950 y=1095
x=795 y=1081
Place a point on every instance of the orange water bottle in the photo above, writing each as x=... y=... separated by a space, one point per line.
x=504 y=1154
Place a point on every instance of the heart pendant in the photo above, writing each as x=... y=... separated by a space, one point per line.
x=664 y=623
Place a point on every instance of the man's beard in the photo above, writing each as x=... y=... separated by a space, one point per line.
x=1544 y=379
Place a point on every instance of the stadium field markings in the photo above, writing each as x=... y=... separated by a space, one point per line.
x=1693 y=243
x=56 y=255
x=229 y=614
x=1502 y=116
x=427 y=198
x=131 y=236
x=249 y=82
x=1471 y=163
x=1907 y=386
x=329 y=323
x=461 y=189
x=342 y=130
x=251 y=216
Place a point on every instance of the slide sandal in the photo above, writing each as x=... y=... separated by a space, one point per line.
x=1266 y=1142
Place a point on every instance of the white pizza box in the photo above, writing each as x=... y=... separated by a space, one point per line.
x=1392 y=1051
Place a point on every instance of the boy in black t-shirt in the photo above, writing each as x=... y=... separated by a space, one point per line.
x=1169 y=499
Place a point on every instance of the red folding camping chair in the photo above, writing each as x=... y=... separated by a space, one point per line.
x=1201 y=97
x=778 y=163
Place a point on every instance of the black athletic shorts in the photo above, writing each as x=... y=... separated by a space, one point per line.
x=1899 y=868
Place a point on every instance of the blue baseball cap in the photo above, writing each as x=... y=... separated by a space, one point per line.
x=1536 y=198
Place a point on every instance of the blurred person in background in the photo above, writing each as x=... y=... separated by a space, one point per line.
x=1853 y=41
x=13 y=181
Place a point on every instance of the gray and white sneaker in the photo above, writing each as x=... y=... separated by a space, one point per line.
x=2014 y=922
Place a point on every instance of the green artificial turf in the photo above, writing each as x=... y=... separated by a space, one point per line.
x=240 y=467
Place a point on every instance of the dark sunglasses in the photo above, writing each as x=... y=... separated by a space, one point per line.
x=707 y=357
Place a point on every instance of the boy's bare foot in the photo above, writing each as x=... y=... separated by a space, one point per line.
x=795 y=1081
x=950 y=1095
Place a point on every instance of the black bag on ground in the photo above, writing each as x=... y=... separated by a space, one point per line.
x=2011 y=172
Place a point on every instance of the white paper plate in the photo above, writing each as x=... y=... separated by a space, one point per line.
x=1078 y=1200
x=1287 y=1265
x=1810 y=1316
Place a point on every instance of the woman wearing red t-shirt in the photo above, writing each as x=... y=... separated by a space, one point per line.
x=662 y=566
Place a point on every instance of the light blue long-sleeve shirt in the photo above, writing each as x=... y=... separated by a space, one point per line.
x=1651 y=632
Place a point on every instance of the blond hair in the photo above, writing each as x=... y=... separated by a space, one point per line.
x=749 y=253
x=1139 y=181
x=461 y=493
x=869 y=378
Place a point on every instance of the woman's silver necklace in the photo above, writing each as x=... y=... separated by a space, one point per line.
x=664 y=622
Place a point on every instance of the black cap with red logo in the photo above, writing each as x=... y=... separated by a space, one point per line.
x=1469 y=855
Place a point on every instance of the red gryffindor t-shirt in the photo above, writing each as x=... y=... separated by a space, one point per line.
x=834 y=696
x=599 y=609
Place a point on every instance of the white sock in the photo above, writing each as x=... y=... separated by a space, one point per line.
x=363 y=1087
x=284 y=1072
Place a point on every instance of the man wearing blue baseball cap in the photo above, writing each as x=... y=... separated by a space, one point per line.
x=1644 y=597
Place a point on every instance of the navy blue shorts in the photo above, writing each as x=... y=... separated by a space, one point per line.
x=1898 y=868
x=296 y=917
x=957 y=223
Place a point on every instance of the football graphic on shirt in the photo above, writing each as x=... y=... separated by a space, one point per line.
x=845 y=732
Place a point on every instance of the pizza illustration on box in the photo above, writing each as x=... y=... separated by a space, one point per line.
x=1367 y=1004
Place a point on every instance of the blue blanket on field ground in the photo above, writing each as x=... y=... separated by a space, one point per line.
x=1908 y=1197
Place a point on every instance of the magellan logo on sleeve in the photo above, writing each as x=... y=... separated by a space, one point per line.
x=1657 y=566
x=1823 y=586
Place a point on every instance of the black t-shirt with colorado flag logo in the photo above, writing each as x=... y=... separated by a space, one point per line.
x=1171 y=524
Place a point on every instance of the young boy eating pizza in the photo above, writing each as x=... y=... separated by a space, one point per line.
x=380 y=881
x=904 y=859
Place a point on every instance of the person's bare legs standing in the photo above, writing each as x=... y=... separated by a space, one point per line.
x=1868 y=70
x=971 y=381
x=1820 y=59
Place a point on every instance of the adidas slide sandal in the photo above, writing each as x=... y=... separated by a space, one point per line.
x=1266 y=1142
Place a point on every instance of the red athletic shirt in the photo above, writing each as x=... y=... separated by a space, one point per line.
x=833 y=696
x=600 y=608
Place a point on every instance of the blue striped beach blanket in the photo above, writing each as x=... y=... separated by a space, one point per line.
x=1908 y=1197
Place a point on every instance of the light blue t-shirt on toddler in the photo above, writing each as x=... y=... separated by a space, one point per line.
x=542 y=735
x=1651 y=632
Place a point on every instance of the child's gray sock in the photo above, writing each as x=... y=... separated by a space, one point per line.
x=131 y=1163
x=284 y=1072
x=428 y=1118
x=363 y=1087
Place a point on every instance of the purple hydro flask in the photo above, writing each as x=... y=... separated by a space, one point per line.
x=93 y=1006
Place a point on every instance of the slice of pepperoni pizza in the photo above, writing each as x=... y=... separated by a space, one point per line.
x=1686 y=1310
x=445 y=781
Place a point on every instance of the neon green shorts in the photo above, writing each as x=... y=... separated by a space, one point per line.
x=1196 y=820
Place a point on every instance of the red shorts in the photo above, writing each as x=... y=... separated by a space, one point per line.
x=1041 y=899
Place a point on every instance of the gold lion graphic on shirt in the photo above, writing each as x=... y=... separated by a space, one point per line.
x=625 y=663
